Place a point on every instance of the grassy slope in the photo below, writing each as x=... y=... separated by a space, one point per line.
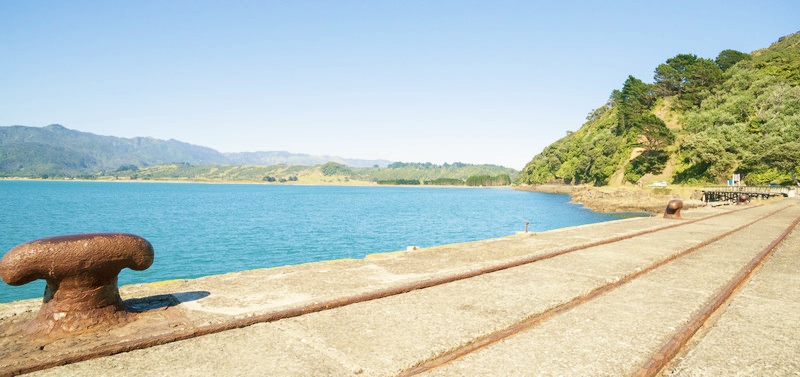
x=301 y=174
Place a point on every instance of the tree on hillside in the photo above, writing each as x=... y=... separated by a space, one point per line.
x=654 y=131
x=785 y=157
x=488 y=180
x=727 y=58
x=333 y=168
x=656 y=136
x=687 y=76
x=671 y=77
x=713 y=154
x=702 y=78
x=632 y=101
x=668 y=80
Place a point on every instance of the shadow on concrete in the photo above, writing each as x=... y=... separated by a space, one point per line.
x=163 y=301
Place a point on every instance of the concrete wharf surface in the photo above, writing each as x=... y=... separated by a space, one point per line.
x=577 y=327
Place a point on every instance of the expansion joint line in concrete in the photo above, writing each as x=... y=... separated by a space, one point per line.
x=678 y=342
x=536 y=319
x=141 y=343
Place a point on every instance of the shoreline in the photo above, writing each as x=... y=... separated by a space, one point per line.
x=351 y=183
x=598 y=199
x=623 y=199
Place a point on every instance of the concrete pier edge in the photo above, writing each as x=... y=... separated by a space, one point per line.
x=399 y=271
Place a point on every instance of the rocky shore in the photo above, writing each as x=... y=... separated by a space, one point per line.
x=623 y=199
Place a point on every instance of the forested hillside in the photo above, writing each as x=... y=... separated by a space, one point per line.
x=698 y=122
x=56 y=151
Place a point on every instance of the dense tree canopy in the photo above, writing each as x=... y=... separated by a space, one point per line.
x=632 y=101
x=727 y=58
x=671 y=77
x=739 y=113
x=785 y=157
x=688 y=77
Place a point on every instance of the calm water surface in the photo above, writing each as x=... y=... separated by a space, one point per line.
x=205 y=229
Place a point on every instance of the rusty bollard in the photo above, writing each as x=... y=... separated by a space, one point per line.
x=742 y=200
x=673 y=210
x=81 y=273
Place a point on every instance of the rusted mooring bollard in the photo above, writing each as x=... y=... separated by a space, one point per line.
x=673 y=210
x=742 y=200
x=81 y=273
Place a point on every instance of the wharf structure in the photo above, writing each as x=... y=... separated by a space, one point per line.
x=713 y=293
x=746 y=193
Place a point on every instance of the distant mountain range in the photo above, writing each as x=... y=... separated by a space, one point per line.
x=286 y=158
x=57 y=150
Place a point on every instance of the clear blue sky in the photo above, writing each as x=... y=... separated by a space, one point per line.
x=410 y=80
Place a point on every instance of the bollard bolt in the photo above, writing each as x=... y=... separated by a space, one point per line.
x=81 y=273
x=673 y=210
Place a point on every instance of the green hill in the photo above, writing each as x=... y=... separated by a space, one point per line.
x=397 y=173
x=699 y=122
x=41 y=160
x=58 y=151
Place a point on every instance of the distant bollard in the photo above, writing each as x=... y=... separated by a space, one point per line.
x=743 y=199
x=673 y=210
x=81 y=273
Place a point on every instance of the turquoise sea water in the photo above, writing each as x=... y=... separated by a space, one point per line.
x=204 y=229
